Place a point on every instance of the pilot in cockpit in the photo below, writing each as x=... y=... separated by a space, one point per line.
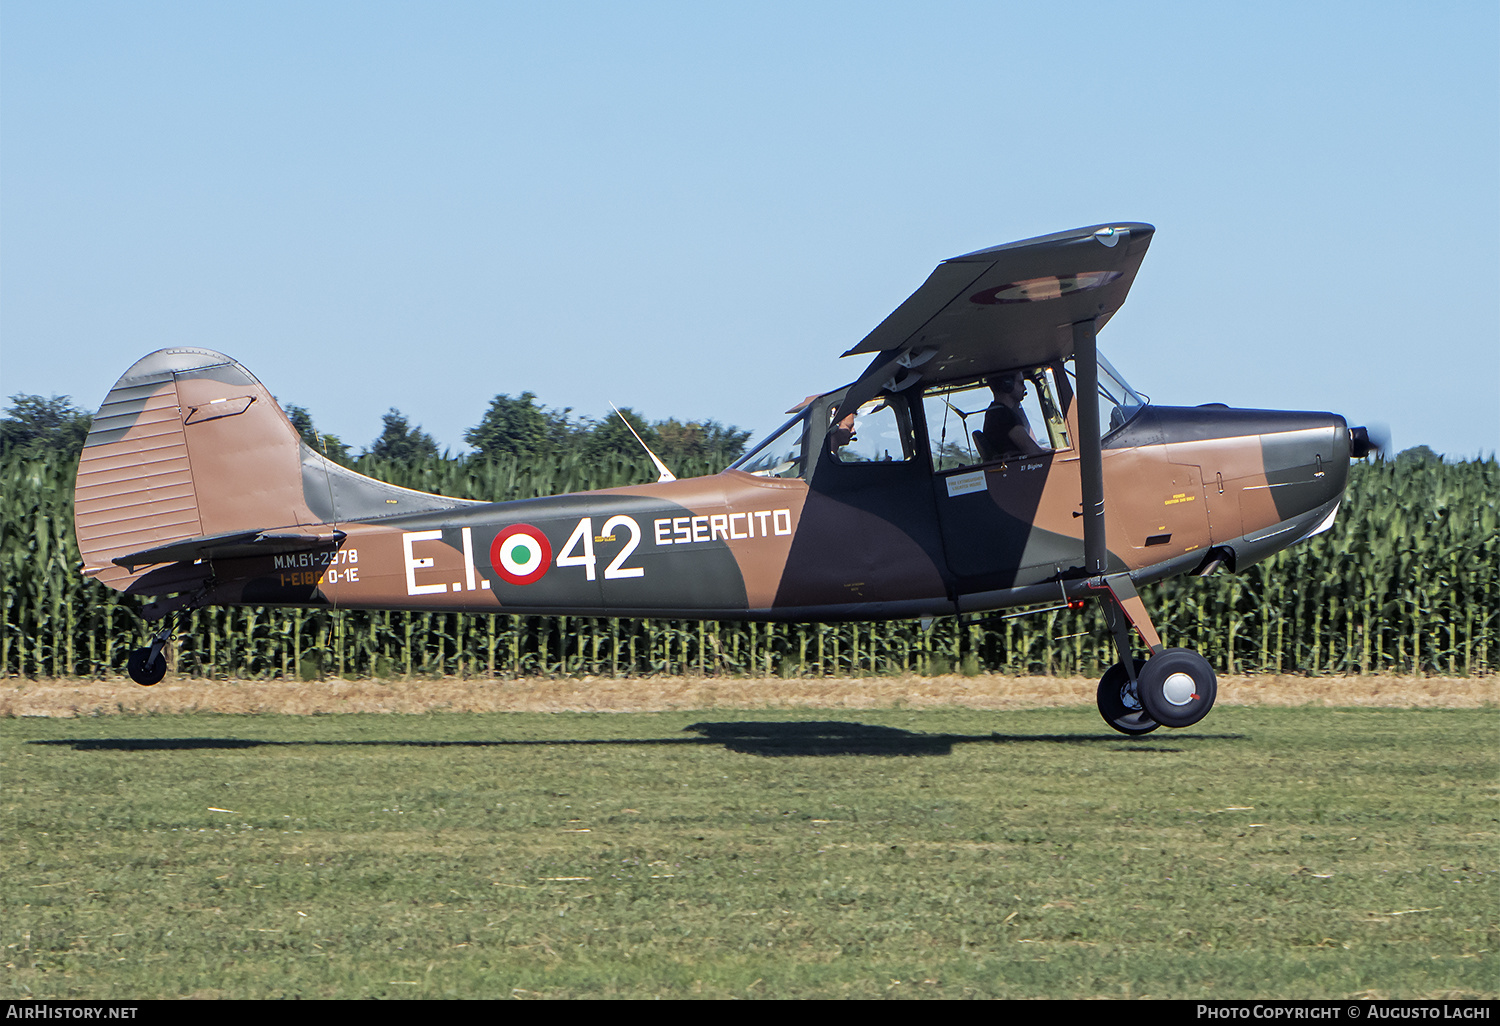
x=1006 y=430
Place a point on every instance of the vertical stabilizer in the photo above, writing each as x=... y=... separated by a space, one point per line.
x=187 y=444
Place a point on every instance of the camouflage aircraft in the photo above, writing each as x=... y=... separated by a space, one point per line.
x=957 y=474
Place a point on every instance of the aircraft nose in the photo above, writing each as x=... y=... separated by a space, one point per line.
x=1306 y=460
x=1271 y=477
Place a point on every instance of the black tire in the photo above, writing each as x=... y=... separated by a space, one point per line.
x=143 y=674
x=1114 y=701
x=1178 y=687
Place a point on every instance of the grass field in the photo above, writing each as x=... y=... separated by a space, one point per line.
x=945 y=852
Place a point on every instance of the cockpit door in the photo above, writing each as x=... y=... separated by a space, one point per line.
x=1005 y=477
x=867 y=538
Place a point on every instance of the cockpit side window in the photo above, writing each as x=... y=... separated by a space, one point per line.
x=1004 y=416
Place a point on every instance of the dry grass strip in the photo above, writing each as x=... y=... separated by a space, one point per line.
x=72 y=697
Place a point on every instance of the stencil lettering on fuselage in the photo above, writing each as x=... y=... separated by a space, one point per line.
x=761 y=523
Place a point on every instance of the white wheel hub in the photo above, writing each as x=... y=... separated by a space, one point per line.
x=1179 y=689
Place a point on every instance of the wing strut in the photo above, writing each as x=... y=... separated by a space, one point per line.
x=1091 y=466
x=1122 y=603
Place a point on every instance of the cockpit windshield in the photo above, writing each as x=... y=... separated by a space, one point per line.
x=1118 y=402
x=1113 y=387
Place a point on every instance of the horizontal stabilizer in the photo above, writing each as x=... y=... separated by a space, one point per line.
x=236 y=545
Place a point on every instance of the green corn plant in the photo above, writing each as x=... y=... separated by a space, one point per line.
x=1408 y=581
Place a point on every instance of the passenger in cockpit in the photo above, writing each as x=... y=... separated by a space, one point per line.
x=841 y=434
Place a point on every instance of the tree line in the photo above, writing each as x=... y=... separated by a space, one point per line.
x=520 y=426
x=512 y=426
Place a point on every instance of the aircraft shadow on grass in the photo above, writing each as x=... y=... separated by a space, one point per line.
x=748 y=737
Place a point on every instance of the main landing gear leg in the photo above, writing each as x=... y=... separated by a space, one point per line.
x=1175 y=687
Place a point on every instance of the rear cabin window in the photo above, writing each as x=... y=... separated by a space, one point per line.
x=778 y=456
x=878 y=432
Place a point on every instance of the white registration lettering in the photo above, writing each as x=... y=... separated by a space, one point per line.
x=583 y=535
x=615 y=571
x=468 y=558
x=413 y=563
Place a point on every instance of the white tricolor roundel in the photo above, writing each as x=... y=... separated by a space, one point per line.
x=520 y=554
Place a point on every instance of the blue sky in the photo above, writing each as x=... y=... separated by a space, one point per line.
x=692 y=209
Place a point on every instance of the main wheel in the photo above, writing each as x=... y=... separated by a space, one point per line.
x=1118 y=703
x=1178 y=687
x=145 y=674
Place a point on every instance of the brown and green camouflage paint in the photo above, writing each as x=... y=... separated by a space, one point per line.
x=194 y=485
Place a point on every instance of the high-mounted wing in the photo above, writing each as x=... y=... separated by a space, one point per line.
x=1002 y=308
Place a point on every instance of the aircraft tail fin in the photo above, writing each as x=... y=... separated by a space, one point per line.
x=189 y=444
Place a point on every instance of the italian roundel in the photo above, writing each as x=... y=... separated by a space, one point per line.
x=520 y=554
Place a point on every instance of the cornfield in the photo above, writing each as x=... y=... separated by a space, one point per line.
x=1407 y=581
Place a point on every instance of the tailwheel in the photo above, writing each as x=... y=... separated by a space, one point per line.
x=1118 y=703
x=1177 y=687
x=147 y=666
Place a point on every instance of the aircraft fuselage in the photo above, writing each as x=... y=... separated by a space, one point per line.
x=850 y=541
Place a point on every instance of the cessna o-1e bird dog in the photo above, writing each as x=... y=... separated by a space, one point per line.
x=959 y=473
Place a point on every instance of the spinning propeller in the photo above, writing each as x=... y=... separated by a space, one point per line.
x=1364 y=440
